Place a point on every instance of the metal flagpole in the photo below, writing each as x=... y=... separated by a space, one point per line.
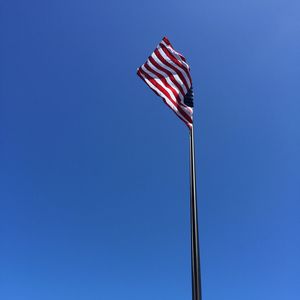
x=195 y=258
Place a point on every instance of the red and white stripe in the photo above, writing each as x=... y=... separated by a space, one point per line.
x=167 y=73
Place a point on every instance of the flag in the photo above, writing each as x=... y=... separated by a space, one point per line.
x=167 y=73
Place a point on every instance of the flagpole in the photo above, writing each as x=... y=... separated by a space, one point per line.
x=195 y=257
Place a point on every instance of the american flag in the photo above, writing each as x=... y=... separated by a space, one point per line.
x=167 y=73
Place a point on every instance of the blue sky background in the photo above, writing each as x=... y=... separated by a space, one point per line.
x=94 y=188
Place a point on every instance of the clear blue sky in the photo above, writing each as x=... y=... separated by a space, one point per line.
x=94 y=188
